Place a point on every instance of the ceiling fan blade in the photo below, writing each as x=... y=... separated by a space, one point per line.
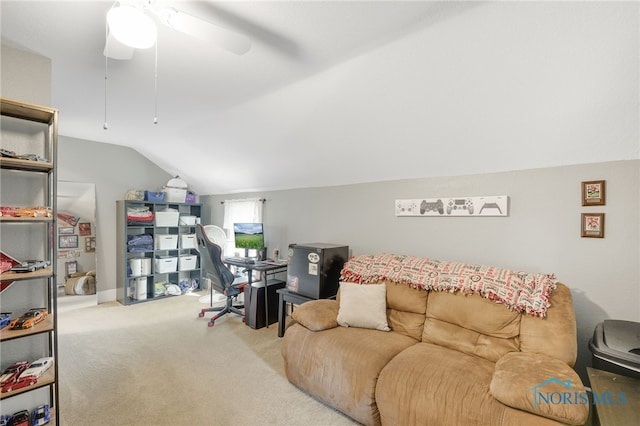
x=116 y=50
x=196 y=27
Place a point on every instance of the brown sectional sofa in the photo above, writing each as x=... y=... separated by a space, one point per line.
x=449 y=359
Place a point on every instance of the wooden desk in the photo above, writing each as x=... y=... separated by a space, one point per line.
x=604 y=382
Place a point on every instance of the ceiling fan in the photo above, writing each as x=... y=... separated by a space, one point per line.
x=131 y=25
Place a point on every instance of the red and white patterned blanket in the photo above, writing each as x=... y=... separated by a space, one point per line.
x=519 y=291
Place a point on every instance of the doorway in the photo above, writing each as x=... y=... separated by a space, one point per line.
x=77 y=260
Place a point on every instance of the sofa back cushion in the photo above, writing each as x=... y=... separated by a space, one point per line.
x=556 y=334
x=471 y=324
x=406 y=308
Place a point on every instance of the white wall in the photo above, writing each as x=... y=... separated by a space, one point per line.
x=541 y=233
x=25 y=76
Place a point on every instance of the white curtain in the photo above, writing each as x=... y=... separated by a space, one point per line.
x=240 y=211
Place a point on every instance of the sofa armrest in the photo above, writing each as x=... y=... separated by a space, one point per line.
x=317 y=315
x=541 y=385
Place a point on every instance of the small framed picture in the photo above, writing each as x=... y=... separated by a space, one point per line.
x=70 y=268
x=592 y=225
x=65 y=230
x=67 y=241
x=90 y=244
x=593 y=193
x=84 y=228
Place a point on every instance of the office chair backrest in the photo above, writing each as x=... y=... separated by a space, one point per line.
x=211 y=257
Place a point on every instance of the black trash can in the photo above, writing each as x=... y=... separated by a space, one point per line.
x=615 y=347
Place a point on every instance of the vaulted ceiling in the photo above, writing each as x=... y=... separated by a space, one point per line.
x=339 y=92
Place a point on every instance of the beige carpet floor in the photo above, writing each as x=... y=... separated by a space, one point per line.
x=157 y=363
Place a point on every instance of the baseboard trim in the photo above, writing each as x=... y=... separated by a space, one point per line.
x=105 y=296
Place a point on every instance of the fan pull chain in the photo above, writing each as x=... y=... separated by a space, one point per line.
x=155 y=117
x=105 y=126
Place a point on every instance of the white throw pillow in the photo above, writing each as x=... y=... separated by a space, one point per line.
x=363 y=305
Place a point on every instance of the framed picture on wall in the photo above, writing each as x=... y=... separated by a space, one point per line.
x=84 y=228
x=593 y=193
x=65 y=230
x=70 y=268
x=90 y=244
x=67 y=241
x=592 y=225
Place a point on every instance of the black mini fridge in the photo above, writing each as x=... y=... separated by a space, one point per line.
x=314 y=269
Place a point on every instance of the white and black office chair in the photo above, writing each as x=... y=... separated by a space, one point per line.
x=222 y=279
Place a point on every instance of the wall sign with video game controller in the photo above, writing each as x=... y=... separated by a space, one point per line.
x=494 y=205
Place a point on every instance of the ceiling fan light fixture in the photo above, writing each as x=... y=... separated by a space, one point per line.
x=132 y=27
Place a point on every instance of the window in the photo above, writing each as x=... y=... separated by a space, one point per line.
x=236 y=211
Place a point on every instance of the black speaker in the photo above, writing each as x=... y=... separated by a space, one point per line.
x=254 y=303
x=262 y=254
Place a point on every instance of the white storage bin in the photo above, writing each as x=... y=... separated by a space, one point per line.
x=167 y=218
x=188 y=262
x=138 y=288
x=166 y=264
x=188 y=241
x=166 y=242
x=140 y=266
x=175 y=195
x=187 y=220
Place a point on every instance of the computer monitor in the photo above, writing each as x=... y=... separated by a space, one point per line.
x=249 y=236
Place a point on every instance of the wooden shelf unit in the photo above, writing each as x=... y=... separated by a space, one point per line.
x=32 y=287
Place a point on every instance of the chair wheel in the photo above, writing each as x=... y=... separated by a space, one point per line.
x=201 y=315
x=211 y=324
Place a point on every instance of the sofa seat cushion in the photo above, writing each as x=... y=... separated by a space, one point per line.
x=340 y=366
x=429 y=384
